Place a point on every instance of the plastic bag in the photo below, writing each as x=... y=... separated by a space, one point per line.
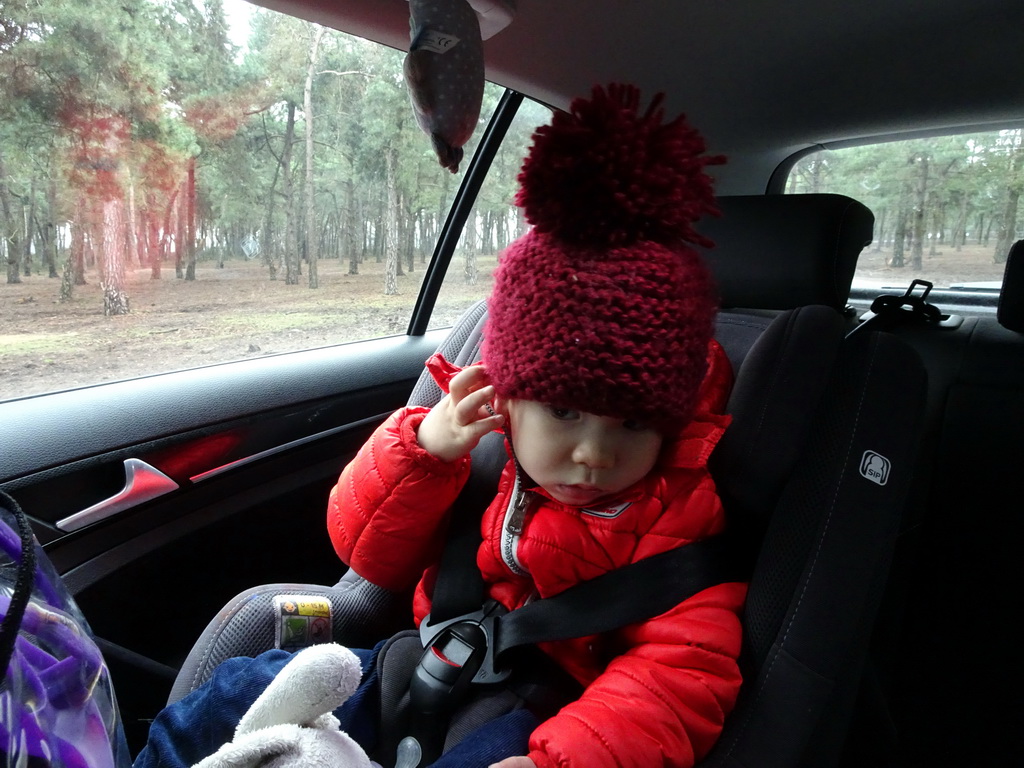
x=57 y=705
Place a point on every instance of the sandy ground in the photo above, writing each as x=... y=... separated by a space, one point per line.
x=237 y=312
x=225 y=314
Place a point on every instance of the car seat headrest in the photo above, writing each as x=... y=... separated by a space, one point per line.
x=1010 y=311
x=786 y=251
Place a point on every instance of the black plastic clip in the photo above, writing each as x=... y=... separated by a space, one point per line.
x=908 y=302
x=471 y=637
x=456 y=652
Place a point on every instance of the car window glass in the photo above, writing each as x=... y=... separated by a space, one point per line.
x=946 y=208
x=155 y=205
x=494 y=222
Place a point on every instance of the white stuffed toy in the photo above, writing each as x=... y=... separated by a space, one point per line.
x=290 y=725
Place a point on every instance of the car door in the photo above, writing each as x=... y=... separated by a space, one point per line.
x=159 y=498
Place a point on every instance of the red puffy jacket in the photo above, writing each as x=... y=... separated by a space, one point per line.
x=657 y=692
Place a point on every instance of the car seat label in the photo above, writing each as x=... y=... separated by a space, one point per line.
x=302 y=620
x=875 y=467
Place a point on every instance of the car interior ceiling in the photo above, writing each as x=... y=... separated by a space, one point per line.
x=762 y=83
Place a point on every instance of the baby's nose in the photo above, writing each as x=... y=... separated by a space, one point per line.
x=594 y=453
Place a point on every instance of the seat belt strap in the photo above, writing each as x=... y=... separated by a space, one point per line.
x=460 y=586
x=633 y=593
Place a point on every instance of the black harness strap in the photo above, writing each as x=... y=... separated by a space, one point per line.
x=460 y=586
x=633 y=593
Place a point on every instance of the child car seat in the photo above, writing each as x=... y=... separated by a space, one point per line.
x=790 y=473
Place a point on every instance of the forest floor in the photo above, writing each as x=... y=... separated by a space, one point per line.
x=225 y=314
x=236 y=312
x=946 y=267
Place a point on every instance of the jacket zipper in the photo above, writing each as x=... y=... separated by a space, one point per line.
x=512 y=529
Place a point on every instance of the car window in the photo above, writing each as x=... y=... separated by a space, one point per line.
x=155 y=205
x=946 y=208
x=493 y=223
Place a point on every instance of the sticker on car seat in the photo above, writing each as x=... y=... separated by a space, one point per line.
x=875 y=467
x=301 y=621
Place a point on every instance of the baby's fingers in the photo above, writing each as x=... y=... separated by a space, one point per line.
x=466 y=381
x=475 y=407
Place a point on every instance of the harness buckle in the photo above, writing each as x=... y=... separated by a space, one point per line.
x=456 y=653
x=461 y=650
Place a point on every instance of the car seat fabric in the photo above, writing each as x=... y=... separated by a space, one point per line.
x=823 y=562
x=777 y=383
x=784 y=251
x=1010 y=311
x=946 y=705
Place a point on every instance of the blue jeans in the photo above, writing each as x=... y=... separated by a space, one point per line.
x=199 y=724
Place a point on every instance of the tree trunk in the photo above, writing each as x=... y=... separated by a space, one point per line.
x=502 y=242
x=159 y=254
x=307 y=100
x=939 y=230
x=133 y=255
x=50 y=229
x=521 y=224
x=960 y=229
x=115 y=252
x=880 y=229
x=10 y=229
x=29 y=228
x=920 y=207
x=291 y=241
x=391 y=225
x=180 y=233
x=144 y=238
x=85 y=243
x=190 y=220
x=76 y=253
x=469 y=271
x=899 y=239
x=348 y=229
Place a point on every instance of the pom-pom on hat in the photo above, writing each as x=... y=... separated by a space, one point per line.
x=603 y=306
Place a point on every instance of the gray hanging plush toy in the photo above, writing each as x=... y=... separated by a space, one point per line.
x=444 y=69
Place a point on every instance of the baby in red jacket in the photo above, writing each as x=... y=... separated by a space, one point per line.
x=599 y=366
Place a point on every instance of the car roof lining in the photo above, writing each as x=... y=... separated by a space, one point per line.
x=760 y=82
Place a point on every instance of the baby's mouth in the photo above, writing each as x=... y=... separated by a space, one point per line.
x=578 y=494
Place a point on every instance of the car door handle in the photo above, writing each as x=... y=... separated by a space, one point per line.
x=142 y=482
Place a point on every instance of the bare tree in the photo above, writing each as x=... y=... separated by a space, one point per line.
x=391 y=225
x=307 y=105
x=291 y=240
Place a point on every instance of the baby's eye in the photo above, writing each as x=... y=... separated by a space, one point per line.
x=563 y=414
x=634 y=425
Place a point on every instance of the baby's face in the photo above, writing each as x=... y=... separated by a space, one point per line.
x=579 y=457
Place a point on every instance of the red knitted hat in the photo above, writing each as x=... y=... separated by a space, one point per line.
x=603 y=307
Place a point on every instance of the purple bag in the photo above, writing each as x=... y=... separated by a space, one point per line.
x=56 y=700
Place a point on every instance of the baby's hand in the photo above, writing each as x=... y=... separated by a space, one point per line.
x=515 y=762
x=455 y=425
